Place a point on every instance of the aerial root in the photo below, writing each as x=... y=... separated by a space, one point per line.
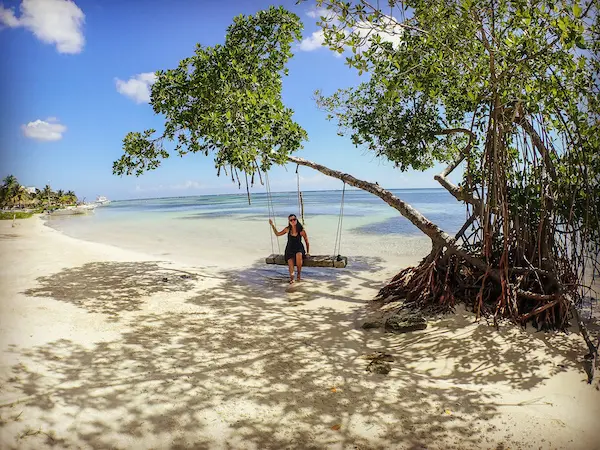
x=443 y=281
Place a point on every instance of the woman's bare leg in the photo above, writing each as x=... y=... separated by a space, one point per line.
x=291 y=268
x=299 y=265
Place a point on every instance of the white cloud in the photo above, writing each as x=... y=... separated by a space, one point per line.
x=317 y=13
x=137 y=87
x=388 y=30
x=313 y=42
x=48 y=130
x=317 y=38
x=7 y=17
x=58 y=22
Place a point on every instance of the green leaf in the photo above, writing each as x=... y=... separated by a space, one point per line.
x=562 y=24
x=227 y=99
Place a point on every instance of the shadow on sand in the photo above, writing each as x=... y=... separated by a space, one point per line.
x=246 y=369
x=112 y=287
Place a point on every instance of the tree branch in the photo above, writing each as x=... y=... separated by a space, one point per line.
x=523 y=318
x=454 y=190
x=421 y=222
x=522 y=121
x=438 y=237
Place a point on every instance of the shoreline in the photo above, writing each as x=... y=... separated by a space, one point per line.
x=239 y=243
x=100 y=351
x=293 y=191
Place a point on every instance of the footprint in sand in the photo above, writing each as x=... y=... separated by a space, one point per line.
x=291 y=287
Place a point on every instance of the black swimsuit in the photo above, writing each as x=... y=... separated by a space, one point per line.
x=294 y=245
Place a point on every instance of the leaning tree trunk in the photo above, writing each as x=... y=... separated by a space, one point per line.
x=430 y=229
x=452 y=273
x=439 y=238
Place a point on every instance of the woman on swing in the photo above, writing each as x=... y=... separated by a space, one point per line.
x=294 y=250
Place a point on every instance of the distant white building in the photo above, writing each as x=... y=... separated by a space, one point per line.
x=30 y=189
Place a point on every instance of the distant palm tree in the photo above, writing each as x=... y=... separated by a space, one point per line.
x=8 y=190
x=10 y=181
x=60 y=197
x=47 y=194
x=72 y=198
x=20 y=196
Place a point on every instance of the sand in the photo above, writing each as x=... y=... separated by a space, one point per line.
x=104 y=347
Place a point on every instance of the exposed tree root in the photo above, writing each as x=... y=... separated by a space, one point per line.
x=443 y=280
x=534 y=295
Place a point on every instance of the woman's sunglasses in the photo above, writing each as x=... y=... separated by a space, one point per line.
x=293 y=219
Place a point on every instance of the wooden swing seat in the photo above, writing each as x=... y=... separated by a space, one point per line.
x=336 y=262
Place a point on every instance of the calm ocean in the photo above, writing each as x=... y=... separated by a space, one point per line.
x=436 y=204
x=191 y=228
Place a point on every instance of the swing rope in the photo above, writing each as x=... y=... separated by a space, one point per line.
x=338 y=236
x=271 y=213
x=300 y=202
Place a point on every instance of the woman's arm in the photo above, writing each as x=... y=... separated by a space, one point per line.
x=305 y=236
x=282 y=232
x=278 y=233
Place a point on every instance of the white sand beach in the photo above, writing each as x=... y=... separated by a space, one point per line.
x=110 y=347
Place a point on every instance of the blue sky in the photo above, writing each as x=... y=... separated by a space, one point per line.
x=72 y=89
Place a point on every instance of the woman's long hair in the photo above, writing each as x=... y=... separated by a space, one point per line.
x=299 y=226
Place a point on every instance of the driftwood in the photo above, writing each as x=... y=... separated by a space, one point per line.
x=337 y=262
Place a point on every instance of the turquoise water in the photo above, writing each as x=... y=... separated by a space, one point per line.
x=436 y=204
x=225 y=230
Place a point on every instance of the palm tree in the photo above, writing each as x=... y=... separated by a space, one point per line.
x=60 y=194
x=10 y=181
x=20 y=196
x=10 y=187
x=3 y=197
x=72 y=198
x=46 y=194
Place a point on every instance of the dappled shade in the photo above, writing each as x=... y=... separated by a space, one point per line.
x=112 y=287
x=266 y=374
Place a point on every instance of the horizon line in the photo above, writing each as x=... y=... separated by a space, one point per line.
x=274 y=192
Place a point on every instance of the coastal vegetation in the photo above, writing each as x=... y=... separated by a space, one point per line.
x=508 y=90
x=10 y=215
x=15 y=196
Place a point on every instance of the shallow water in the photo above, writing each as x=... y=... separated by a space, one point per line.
x=225 y=229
